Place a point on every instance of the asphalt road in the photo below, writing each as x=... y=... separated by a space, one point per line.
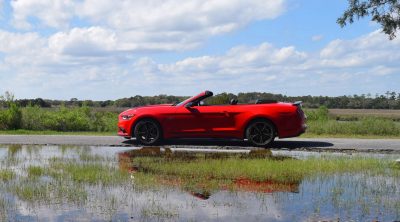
x=310 y=144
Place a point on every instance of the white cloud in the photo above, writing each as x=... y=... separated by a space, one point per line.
x=366 y=61
x=240 y=68
x=239 y=59
x=381 y=70
x=1 y=9
x=19 y=43
x=99 y=61
x=54 y=13
x=93 y=41
x=371 y=49
x=189 y=16
x=317 y=38
x=161 y=25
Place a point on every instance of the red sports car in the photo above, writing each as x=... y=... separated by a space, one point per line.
x=258 y=123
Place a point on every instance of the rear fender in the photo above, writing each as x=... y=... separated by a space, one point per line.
x=263 y=117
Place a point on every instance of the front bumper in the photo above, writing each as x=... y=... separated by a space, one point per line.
x=124 y=129
x=122 y=132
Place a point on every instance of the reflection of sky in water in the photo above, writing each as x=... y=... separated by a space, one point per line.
x=350 y=196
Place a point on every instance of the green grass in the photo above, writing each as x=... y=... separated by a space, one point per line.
x=285 y=170
x=35 y=171
x=32 y=192
x=52 y=132
x=322 y=124
x=6 y=175
x=90 y=173
x=368 y=126
x=49 y=192
x=341 y=135
x=157 y=211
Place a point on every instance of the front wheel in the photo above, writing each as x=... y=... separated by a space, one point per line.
x=260 y=133
x=148 y=132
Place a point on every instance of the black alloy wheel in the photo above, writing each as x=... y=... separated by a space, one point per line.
x=148 y=132
x=260 y=133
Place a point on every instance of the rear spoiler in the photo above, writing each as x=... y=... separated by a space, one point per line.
x=297 y=103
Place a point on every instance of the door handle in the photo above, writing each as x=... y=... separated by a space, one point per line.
x=225 y=113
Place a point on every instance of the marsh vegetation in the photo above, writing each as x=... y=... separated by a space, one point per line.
x=352 y=124
x=151 y=184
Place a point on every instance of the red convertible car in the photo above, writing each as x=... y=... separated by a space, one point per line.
x=258 y=123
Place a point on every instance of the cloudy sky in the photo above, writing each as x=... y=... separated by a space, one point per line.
x=103 y=49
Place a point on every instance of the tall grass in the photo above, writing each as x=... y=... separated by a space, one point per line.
x=89 y=173
x=49 y=191
x=6 y=175
x=60 y=119
x=35 y=171
x=321 y=123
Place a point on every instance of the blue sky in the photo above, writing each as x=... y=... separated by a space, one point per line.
x=100 y=49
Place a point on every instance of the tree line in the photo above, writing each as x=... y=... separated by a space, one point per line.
x=388 y=100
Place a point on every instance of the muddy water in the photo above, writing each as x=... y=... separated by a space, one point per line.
x=342 y=196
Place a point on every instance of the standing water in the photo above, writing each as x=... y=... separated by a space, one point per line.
x=75 y=183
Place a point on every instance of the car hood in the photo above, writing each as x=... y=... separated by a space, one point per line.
x=156 y=105
x=133 y=110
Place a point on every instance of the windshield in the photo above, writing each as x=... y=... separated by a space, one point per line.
x=178 y=104
x=198 y=98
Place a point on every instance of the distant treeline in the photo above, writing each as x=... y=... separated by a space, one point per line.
x=389 y=100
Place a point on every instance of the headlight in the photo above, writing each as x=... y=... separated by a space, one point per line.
x=127 y=117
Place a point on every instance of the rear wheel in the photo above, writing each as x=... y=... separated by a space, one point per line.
x=148 y=132
x=260 y=132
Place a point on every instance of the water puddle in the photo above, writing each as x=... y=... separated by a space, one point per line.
x=75 y=183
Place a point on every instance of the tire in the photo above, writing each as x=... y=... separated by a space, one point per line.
x=148 y=132
x=260 y=132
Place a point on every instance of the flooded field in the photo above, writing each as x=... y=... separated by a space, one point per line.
x=66 y=183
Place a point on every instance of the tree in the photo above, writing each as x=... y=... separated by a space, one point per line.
x=384 y=12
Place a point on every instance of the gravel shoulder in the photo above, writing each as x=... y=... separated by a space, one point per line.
x=309 y=144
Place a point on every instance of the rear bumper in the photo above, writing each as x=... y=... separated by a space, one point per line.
x=294 y=133
x=303 y=129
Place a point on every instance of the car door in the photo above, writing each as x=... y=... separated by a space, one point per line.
x=216 y=120
x=201 y=121
x=185 y=122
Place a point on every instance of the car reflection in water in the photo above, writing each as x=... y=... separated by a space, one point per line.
x=127 y=162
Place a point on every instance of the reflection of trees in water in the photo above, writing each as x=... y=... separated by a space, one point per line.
x=127 y=163
x=14 y=149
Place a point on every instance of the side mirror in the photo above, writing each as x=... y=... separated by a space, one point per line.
x=189 y=104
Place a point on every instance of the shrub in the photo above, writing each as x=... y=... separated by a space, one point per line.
x=11 y=117
x=68 y=119
x=33 y=118
x=321 y=114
